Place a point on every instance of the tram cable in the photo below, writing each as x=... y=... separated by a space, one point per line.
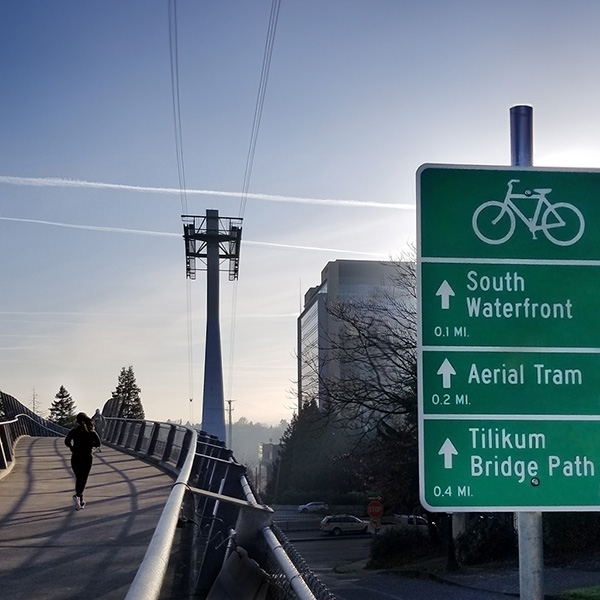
x=174 y=64
x=258 y=110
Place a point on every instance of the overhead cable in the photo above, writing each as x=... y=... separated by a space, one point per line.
x=174 y=61
x=260 y=100
x=174 y=56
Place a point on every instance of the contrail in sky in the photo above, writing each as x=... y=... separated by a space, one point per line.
x=180 y=235
x=61 y=182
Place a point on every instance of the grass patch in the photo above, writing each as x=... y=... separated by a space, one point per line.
x=591 y=593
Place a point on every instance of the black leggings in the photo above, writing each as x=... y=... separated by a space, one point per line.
x=81 y=465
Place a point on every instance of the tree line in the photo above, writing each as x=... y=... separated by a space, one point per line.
x=63 y=409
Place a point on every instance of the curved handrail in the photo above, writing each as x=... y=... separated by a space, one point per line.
x=54 y=429
x=15 y=426
x=149 y=577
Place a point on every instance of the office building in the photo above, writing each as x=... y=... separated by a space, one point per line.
x=342 y=281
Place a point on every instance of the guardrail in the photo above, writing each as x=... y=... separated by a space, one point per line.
x=164 y=443
x=149 y=578
x=225 y=522
x=16 y=420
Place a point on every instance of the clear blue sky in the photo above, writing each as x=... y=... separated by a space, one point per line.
x=360 y=94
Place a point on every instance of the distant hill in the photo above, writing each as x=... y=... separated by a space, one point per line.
x=247 y=437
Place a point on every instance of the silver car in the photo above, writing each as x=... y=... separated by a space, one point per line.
x=338 y=524
x=411 y=522
x=313 y=507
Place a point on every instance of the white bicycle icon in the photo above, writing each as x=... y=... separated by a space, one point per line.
x=562 y=223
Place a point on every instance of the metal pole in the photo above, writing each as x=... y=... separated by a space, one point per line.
x=531 y=551
x=521 y=136
x=230 y=440
x=294 y=578
x=213 y=405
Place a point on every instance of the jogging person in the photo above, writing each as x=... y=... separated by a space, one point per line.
x=81 y=440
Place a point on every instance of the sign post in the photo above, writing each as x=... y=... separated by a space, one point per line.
x=375 y=511
x=531 y=544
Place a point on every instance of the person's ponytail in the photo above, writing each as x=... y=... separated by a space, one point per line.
x=84 y=420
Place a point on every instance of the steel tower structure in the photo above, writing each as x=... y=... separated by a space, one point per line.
x=213 y=240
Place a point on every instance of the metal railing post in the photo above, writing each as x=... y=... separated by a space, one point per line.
x=169 y=444
x=153 y=439
x=130 y=434
x=122 y=428
x=140 y=437
x=6 y=447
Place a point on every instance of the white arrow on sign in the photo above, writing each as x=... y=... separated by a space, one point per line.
x=445 y=291
x=448 y=450
x=446 y=370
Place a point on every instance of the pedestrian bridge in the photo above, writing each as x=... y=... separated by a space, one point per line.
x=169 y=515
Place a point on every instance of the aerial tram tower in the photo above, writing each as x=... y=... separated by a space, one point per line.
x=213 y=241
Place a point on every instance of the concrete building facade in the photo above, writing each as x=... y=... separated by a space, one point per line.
x=341 y=281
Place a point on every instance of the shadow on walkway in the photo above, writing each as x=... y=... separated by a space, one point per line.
x=49 y=550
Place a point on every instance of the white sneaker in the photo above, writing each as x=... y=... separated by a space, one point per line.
x=82 y=503
x=76 y=502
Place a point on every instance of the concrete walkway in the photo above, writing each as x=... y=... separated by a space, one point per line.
x=50 y=551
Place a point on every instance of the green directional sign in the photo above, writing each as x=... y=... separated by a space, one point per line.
x=507 y=383
x=509 y=335
x=508 y=212
x=538 y=305
x=511 y=465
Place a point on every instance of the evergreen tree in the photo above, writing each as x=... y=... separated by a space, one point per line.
x=311 y=461
x=62 y=410
x=129 y=394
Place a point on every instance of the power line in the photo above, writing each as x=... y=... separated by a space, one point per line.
x=178 y=130
x=174 y=56
x=260 y=100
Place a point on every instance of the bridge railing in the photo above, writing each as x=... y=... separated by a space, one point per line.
x=16 y=420
x=164 y=443
x=221 y=513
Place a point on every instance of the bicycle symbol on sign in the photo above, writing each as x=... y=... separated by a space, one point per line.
x=494 y=222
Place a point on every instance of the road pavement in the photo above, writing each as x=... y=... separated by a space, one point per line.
x=340 y=564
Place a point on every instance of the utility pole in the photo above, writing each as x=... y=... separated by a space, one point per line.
x=34 y=397
x=212 y=239
x=230 y=440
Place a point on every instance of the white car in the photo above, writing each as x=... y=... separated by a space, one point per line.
x=338 y=524
x=411 y=522
x=313 y=507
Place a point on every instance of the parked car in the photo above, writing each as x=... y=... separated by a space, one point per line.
x=412 y=522
x=338 y=524
x=313 y=507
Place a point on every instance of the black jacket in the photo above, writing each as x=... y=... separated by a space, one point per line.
x=81 y=441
